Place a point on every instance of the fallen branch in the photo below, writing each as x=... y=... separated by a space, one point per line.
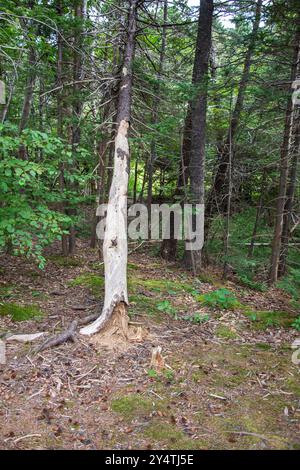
x=25 y=338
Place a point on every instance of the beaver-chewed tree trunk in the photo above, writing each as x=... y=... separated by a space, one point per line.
x=115 y=239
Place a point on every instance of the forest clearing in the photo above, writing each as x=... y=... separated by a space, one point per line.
x=230 y=384
x=149 y=225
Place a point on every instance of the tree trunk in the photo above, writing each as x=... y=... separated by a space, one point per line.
x=284 y=168
x=28 y=97
x=292 y=185
x=115 y=244
x=217 y=196
x=79 y=11
x=156 y=102
x=258 y=213
x=192 y=258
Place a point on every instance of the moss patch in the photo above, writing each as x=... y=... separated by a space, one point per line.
x=91 y=281
x=65 y=261
x=170 y=436
x=20 y=312
x=132 y=406
x=261 y=320
x=223 y=331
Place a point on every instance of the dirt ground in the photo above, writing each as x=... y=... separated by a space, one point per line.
x=229 y=382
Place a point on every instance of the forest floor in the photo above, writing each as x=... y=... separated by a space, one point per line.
x=230 y=381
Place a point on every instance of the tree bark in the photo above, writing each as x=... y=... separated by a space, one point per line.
x=157 y=90
x=192 y=258
x=115 y=244
x=258 y=213
x=28 y=97
x=217 y=196
x=284 y=167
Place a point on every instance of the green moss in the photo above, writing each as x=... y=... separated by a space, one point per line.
x=263 y=346
x=20 y=312
x=141 y=305
x=133 y=267
x=223 y=331
x=170 y=436
x=261 y=320
x=65 y=261
x=293 y=385
x=160 y=285
x=131 y=406
x=91 y=281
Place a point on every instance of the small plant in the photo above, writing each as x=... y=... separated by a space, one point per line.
x=166 y=307
x=169 y=374
x=152 y=373
x=247 y=282
x=296 y=324
x=221 y=298
x=198 y=318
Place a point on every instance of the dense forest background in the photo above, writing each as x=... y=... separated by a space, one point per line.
x=61 y=63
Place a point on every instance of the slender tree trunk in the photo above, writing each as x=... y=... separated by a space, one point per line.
x=258 y=213
x=292 y=185
x=28 y=97
x=60 y=119
x=192 y=258
x=115 y=240
x=217 y=196
x=77 y=102
x=135 y=181
x=284 y=168
x=157 y=91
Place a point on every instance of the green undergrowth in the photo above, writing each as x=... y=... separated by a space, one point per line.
x=222 y=299
x=91 y=281
x=20 y=312
x=261 y=320
x=65 y=261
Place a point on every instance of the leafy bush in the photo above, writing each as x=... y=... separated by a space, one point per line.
x=30 y=193
x=296 y=324
x=221 y=298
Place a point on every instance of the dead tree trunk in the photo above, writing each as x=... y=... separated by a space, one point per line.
x=284 y=168
x=192 y=258
x=115 y=244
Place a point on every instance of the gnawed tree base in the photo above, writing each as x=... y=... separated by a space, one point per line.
x=119 y=333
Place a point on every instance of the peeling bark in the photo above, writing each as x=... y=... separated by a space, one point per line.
x=115 y=240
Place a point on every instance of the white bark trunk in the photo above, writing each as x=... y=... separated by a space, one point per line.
x=115 y=239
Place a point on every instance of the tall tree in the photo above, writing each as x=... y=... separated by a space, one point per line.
x=198 y=117
x=217 y=196
x=286 y=149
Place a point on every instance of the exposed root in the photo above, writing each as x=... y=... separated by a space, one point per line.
x=66 y=335
x=118 y=333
